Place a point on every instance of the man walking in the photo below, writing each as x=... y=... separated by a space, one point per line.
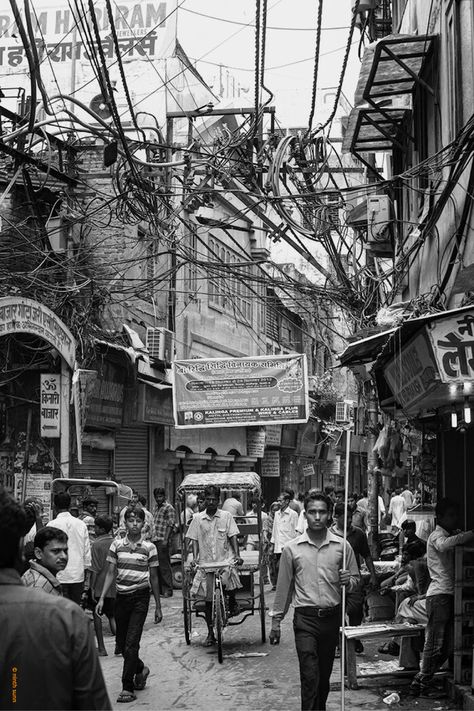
x=312 y=574
x=164 y=520
x=47 y=653
x=89 y=512
x=75 y=577
x=50 y=550
x=440 y=595
x=398 y=510
x=285 y=523
x=133 y=561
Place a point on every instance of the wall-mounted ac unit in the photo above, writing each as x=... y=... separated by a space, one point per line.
x=344 y=411
x=160 y=343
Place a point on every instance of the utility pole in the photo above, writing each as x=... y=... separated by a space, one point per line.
x=372 y=474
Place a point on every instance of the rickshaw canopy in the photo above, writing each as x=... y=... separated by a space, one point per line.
x=226 y=481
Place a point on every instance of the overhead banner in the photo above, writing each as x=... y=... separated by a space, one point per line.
x=225 y=392
x=412 y=374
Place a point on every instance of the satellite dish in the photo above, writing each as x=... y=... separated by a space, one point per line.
x=100 y=107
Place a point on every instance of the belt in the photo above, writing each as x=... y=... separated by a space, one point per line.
x=319 y=611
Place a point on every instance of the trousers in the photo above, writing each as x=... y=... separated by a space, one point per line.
x=438 y=636
x=130 y=615
x=316 y=639
x=164 y=567
x=73 y=591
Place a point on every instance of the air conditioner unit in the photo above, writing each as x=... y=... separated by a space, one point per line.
x=159 y=342
x=344 y=411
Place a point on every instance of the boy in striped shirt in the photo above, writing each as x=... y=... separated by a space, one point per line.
x=135 y=562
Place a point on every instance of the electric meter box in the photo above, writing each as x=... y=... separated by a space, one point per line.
x=378 y=214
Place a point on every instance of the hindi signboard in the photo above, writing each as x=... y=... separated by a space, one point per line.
x=453 y=346
x=50 y=405
x=255 y=442
x=18 y=315
x=271 y=464
x=273 y=435
x=225 y=392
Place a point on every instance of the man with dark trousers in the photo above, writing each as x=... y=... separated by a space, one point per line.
x=311 y=575
x=164 y=520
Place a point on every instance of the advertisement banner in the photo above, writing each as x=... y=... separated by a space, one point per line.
x=225 y=392
x=50 y=405
x=453 y=346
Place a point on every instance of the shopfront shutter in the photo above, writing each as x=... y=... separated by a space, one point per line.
x=131 y=458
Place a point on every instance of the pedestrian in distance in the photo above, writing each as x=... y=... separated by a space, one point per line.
x=100 y=549
x=89 y=512
x=133 y=563
x=284 y=526
x=50 y=551
x=440 y=595
x=311 y=575
x=48 y=658
x=75 y=577
x=398 y=510
x=164 y=522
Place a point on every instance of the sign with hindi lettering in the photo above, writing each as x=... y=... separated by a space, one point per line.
x=271 y=464
x=255 y=442
x=50 y=405
x=412 y=373
x=453 y=346
x=224 y=392
x=18 y=315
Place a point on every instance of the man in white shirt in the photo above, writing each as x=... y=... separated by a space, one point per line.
x=284 y=527
x=233 y=505
x=408 y=496
x=75 y=577
x=440 y=595
x=398 y=509
x=362 y=508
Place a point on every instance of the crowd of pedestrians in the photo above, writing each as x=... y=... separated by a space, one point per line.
x=86 y=561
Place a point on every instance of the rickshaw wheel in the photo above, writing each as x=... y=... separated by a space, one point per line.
x=187 y=613
x=219 y=602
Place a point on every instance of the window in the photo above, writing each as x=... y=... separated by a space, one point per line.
x=190 y=268
x=150 y=269
x=229 y=291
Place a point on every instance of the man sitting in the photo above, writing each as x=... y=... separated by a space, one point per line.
x=213 y=534
x=50 y=550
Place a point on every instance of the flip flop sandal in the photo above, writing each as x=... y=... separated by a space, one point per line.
x=126 y=697
x=140 y=679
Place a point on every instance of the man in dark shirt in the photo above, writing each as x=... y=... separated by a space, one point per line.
x=359 y=544
x=99 y=551
x=48 y=658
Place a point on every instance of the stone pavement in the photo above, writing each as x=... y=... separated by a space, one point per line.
x=185 y=677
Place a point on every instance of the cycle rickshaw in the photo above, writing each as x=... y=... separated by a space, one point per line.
x=251 y=597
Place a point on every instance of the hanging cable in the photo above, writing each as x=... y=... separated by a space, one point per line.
x=316 y=65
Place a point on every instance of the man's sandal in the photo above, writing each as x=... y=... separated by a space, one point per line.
x=126 y=697
x=140 y=679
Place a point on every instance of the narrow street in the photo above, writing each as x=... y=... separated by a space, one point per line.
x=183 y=677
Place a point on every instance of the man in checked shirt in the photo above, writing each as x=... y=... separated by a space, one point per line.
x=164 y=519
x=311 y=575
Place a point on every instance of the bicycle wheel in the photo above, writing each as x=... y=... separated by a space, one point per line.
x=219 y=621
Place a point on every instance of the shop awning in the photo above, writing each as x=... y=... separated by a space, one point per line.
x=391 y=68
x=366 y=350
x=156 y=386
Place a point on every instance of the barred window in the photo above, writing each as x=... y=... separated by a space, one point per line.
x=229 y=291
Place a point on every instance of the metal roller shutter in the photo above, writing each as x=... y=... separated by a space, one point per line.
x=131 y=458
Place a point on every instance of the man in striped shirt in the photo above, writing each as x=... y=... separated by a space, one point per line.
x=135 y=562
x=50 y=548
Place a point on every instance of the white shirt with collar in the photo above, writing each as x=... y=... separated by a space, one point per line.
x=284 y=528
x=79 y=548
x=440 y=559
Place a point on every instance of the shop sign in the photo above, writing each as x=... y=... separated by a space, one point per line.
x=155 y=406
x=142 y=29
x=256 y=437
x=38 y=485
x=273 y=435
x=412 y=374
x=105 y=409
x=271 y=464
x=28 y=316
x=453 y=345
x=50 y=405
x=308 y=469
x=225 y=392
